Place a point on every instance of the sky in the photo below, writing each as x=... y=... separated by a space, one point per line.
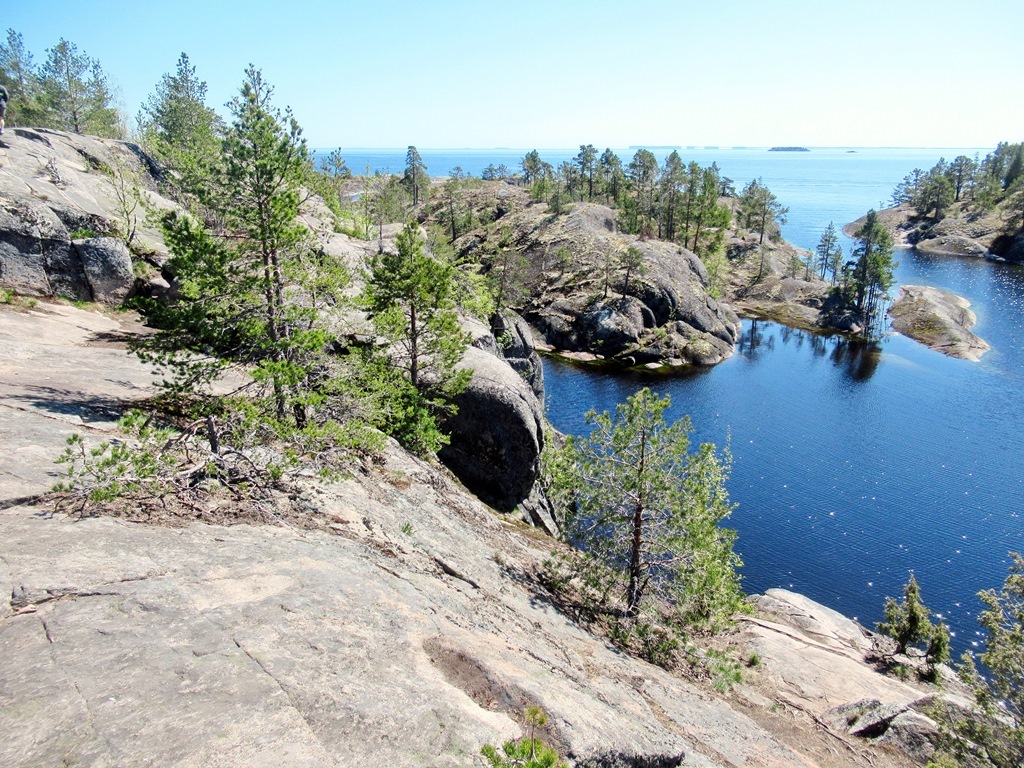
x=555 y=74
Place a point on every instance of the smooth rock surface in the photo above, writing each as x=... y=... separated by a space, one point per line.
x=497 y=433
x=410 y=636
x=939 y=319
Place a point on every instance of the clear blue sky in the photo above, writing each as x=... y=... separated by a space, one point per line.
x=547 y=73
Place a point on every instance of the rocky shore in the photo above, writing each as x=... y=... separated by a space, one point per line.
x=939 y=319
x=961 y=232
x=406 y=627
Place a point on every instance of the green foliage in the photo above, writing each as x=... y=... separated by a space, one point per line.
x=528 y=752
x=409 y=296
x=829 y=254
x=872 y=272
x=113 y=470
x=416 y=181
x=507 y=278
x=645 y=513
x=642 y=178
x=76 y=96
x=181 y=131
x=725 y=671
x=631 y=261
x=997 y=738
x=151 y=466
x=126 y=184
x=254 y=293
x=21 y=78
x=909 y=624
x=68 y=92
x=760 y=209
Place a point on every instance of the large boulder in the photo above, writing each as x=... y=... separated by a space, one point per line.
x=497 y=434
x=37 y=257
x=515 y=345
x=107 y=264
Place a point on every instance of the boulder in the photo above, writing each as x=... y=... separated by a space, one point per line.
x=497 y=434
x=515 y=345
x=905 y=726
x=107 y=264
x=37 y=257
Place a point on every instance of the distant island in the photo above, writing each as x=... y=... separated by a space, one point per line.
x=789 y=149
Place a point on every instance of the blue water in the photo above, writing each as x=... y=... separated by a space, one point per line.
x=852 y=466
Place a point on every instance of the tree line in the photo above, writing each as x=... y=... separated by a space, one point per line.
x=980 y=185
x=68 y=91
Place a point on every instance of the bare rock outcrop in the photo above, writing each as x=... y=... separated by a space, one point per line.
x=578 y=299
x=57 y=220
x=939 y=319
x=407 y=630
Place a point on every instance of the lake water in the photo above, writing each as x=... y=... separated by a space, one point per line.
x=852 y=466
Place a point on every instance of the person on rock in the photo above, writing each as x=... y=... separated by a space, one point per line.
x=4 y=96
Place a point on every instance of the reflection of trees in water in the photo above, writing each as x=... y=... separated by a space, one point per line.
x=859 y=360
x=751 y=341
x=819 y=344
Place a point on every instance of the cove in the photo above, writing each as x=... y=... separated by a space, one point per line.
x=854 y=465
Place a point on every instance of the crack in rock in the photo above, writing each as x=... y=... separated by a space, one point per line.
x=291 y=701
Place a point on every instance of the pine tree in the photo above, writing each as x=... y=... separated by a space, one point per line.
x=829 y=253
x=996 y=739
x=415 y=178
x=586 y=161
x=183 y=133
x=252 y=292
x=907 y=622
x=410 y=296
x=642 y=174
x=873 y=269
x=645 y=512
x=76 y=95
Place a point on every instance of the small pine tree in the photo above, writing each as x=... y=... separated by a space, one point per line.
x=910 y=625
x=410 y=298
x=907 y=623
x=645 y=512
x=528 y=752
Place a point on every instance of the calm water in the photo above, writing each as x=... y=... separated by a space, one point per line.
x=852 y=467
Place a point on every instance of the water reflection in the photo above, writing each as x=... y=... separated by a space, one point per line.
x=857 y=359
x=750 y=343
